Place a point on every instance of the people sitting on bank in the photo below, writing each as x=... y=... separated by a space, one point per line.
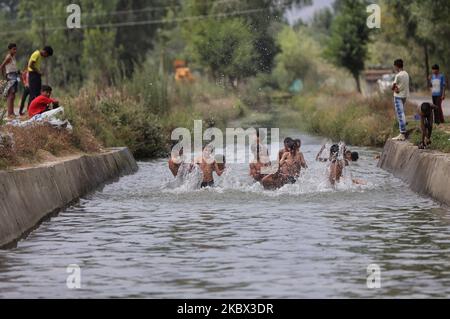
x=426 y=112
x=290 y=166
x=35 y=71
x=209 y=164
x=12 y=75
x=43 y=103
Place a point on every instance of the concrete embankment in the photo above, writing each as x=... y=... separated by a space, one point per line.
x=426 y=172
x=28 y=195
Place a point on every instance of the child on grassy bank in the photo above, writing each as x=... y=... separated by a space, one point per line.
x=42 y=103
x=438 y=85
x=401 y=93
x=426 y=112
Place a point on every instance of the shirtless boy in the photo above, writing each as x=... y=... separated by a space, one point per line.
x=177 y=162
x=208 y=165
x=261 y=161
x=289 y=171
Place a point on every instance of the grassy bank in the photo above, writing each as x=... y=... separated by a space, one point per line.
x=440 y=137
x=348 y=117
x=358 y=120
x=139 y=113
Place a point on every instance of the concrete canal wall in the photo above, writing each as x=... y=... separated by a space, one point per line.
x=28 y=195
x=426 y=172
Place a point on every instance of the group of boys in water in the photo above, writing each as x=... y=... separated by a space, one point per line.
x=271 y=176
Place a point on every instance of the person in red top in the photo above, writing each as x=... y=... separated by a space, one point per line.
x=42 y=103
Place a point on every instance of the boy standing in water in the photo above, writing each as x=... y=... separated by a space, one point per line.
x=401 y=93
x=438 y=85
x=289 y=169
x=287 y=141
x=298 y=144
x=336 y=166
x=261 y=161
x=208 y=165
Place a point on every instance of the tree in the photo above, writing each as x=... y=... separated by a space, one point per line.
x=259 y=16
x=421 y=26
x=225 y=46
x=297 y=57
x=135 y=41
x=347 y=46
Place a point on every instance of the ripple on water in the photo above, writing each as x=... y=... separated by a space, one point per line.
x=151 y=236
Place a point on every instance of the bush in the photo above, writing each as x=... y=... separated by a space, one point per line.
x=115 y=120
x=348 y=117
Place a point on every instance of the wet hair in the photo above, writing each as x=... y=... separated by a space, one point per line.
x=298 y=143
x=435 y=67
x=334 y=150
x=288 y=140
x=399 y=63
x=11 y=46
x=49 y=50
x=46 y=88
x=355 y=156
x=425 y=108
x=292 y=146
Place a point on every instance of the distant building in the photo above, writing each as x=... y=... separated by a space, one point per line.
x=377 y=80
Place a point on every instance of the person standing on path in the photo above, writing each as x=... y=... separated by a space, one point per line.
x=35 y=72
x=438 y=86
x=401 y=93
x=10 y=71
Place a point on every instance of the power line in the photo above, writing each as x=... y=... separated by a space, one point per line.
x=120 y=12
x=161 y=21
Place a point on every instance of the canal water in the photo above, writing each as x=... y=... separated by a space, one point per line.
x=148 y=236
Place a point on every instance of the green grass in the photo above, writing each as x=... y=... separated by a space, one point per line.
x=346 y=117
x=440 y=139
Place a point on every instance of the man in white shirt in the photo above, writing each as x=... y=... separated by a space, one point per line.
x=401 y=93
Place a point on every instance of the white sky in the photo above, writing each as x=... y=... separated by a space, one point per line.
x=307 y=12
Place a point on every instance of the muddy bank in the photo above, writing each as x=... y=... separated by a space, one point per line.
x=30 y=194
x=426 y=172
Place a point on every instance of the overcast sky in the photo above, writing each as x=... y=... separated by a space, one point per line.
x=307 y=12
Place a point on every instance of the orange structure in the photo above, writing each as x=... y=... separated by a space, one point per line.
x=182 y=72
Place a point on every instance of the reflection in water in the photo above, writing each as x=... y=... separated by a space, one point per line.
x=148 y=236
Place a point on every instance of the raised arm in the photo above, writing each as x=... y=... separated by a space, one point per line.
x=318 y=158
x=302 y=161
x=218 y=170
